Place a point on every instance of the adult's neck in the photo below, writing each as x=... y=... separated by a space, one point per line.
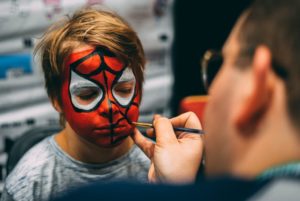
x=85 y=151
x=276 y=142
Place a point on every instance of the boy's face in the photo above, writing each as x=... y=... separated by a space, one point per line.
x=100 y=96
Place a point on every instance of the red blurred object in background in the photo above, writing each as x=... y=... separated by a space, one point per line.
x=195 y=104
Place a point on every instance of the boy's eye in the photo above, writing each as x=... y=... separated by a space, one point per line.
x=85 y=96
x=124 y=89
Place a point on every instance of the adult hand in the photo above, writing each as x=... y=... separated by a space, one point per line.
x=175 y=157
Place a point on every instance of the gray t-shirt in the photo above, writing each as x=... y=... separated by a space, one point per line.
x=46 y=171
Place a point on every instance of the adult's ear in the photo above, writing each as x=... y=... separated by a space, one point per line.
x=261 y=89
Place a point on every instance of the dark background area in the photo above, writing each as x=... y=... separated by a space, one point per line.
x=199 y=25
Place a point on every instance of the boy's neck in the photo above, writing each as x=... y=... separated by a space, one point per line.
x=84 y=151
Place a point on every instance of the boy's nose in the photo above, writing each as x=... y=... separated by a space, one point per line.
x=107 y=108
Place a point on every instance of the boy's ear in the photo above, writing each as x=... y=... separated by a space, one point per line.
x=56 y=105
x=261 y=90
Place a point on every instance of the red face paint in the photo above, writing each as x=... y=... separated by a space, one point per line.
x=100 y=97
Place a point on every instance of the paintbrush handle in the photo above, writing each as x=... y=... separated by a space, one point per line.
x=189 y=130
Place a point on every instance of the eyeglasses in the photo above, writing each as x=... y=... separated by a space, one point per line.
x=210 y=64
x=213 y=59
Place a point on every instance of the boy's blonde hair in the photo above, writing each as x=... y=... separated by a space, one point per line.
x=92 y=26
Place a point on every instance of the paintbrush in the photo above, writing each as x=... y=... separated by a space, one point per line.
x=188 y=130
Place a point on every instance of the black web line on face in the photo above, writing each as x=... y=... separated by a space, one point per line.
x=82 y=59
x=127 y=107
x=101 y=52
x=110 y=115
x=131 y=103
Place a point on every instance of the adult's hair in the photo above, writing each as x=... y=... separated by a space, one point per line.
x=93 y=26
x=276 y=24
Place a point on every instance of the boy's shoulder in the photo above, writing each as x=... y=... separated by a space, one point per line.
x=31 y=168
x=35 y=157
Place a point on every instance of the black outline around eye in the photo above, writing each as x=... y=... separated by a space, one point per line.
x=70 y=95
x=118 y=76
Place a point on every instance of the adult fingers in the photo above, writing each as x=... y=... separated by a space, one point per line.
x=145 y=144
x=188 y=120
x=164 y=131
x=150 y=132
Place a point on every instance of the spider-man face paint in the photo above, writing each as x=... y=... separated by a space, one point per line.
x=100 y=97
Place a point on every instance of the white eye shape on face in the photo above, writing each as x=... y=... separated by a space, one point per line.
x=123 y=90
x=85 y=95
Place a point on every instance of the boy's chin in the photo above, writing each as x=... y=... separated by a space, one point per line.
x=109 y=142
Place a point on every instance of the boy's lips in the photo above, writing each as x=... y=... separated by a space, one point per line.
x=111 y=126
x=109 y=131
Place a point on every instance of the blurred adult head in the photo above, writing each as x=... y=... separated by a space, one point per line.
x=253 y=111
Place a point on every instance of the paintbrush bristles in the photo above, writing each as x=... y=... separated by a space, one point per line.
x=145 y=125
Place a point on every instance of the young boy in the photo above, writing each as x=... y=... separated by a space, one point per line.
x=93 y=65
